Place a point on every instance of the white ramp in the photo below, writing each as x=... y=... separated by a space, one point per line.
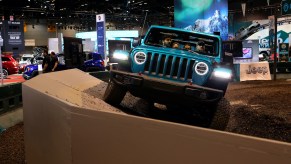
x=59 y=130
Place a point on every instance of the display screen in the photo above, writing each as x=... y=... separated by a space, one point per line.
x=247 y=53
x=207 y=16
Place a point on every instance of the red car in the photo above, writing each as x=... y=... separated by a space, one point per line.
x=9 y=64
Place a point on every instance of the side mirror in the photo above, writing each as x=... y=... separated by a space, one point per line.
x=136 y=42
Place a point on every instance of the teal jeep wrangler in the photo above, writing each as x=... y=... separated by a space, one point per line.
x=171 y=66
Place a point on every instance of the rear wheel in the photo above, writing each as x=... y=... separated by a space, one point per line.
x=114 y=93
x=5 y=73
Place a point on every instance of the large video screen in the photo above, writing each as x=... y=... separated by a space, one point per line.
x=207 y=16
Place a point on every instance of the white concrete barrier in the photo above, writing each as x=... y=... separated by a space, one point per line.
x=58 y=131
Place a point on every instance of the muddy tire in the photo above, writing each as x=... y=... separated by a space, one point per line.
x=145 y=107
x=114 y=93
x=219 y=115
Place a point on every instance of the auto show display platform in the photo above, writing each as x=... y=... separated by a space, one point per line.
x=58 y=129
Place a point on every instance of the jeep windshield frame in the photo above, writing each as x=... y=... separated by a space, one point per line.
x=158 y=37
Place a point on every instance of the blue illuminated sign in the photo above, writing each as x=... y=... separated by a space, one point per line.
x=286 y=7
x=100 y=25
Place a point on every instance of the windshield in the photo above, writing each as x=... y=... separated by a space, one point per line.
x=96 y=56
x=187 y=41
x=26 y=58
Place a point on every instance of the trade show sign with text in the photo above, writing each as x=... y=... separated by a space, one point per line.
x=100 y=25
x=207 y=16
x=255 y=71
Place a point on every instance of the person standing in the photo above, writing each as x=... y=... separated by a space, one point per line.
x=54 y=61
x=45 y=62
x=50 y=63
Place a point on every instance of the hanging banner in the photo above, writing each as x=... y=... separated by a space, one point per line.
x=271 y=31
x=100 y=25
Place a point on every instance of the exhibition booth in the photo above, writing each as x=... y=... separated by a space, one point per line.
x=257 y=36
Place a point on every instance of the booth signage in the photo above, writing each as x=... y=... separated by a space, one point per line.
x=283 y=52
x=283 y=48
x=286 y=7
x=13 y=35
x=100 y=25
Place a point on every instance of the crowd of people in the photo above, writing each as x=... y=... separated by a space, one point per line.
x=50 y=62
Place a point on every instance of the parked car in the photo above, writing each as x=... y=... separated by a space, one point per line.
x=31 y=71
x=96 y=63
x=9 y=64
x=38 y=59
x=25 y=59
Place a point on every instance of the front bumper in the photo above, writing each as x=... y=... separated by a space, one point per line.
x=25 y=76
x=165 y=90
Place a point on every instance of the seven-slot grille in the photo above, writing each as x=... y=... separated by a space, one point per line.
x=169 y=66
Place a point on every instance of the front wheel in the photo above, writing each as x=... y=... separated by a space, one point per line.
x=34 y=73
x=114 y=93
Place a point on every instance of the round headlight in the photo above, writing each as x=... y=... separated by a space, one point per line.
x=140 y=58
x=201 y=68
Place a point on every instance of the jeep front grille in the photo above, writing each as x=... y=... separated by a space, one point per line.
x=169 y=66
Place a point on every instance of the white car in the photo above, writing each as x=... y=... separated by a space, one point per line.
x=26 y=59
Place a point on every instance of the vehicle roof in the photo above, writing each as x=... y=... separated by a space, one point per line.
x=184 y=30
x=27 y=55
x=6 y=55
